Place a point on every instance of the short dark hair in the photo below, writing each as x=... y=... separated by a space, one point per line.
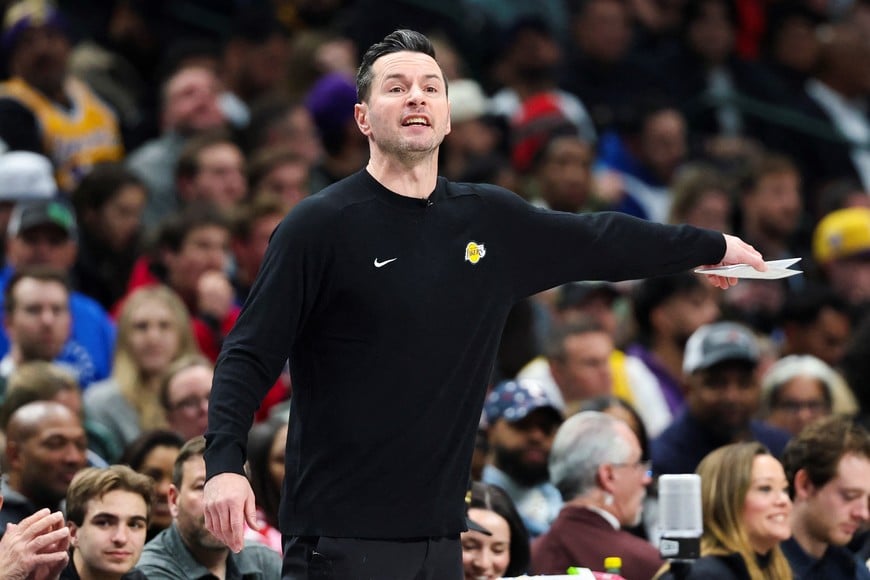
x=819 y=448
x=193 y=448
x=41 y=273
x=101 y=185
x=136 y=452
x=187 y=166
x=34 y=381
x=493 y=498
x=93 y=482
x=555 y=346
x=653 y=292
x=174 y=230
x=398 y=41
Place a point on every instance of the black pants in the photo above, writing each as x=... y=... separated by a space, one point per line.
x=323 y=558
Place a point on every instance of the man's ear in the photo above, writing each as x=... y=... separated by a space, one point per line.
x=361 y=115
x=173 y=500
x=803 y=487
x=605 y=478
x=73 y=533
x=12 y=461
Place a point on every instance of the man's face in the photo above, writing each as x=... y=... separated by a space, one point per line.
x=249 y=253
x=44 y=245
x=630 y=481
x=186 y=506
x=682 y=314
x=112 y=534
x=39 y=323
x=664 y=143
x=204 y=249
x=48 y=460
x=826 y=338
x=40 y=58
x=799 y=402
x=220 y=178
x=406 y=113
x=850 y=278
x=188 y=394
x=776 y=204
x=566 y=173
x=604 y=30
x=521 y=448
x=191 y=101
x=833 y=512
x=289 y=181
x=724 y=396
x=585 y=371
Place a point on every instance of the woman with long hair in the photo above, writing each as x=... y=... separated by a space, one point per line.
x=746 y=507
x=505 y=552
x=153 y=332
x=266 y=444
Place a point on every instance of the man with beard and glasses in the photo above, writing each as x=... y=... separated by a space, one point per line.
x=187 y=550
x=723 y=396
x=523 y=422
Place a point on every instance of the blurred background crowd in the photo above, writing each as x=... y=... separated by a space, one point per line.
x=148 y=148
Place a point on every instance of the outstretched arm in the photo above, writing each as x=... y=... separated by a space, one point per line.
x=737 y=252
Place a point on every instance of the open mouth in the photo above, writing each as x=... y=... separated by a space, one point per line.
x=415 y=122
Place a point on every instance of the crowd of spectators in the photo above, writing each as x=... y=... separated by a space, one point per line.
x=148 y=150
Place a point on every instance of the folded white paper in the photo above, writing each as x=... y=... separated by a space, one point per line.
x=776 y=269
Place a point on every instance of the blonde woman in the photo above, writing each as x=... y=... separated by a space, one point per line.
x=744 y=497
x=153 y=332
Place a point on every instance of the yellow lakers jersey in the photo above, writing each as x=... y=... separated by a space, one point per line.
x=76 y=138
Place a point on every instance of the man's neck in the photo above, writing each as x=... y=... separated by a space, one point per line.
x=802 y=536
x=411 y=177
x=214 y=560
x=595 y=501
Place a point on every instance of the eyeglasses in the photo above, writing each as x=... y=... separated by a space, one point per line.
x=643 y=466
x=190 y=403
x=795 y=407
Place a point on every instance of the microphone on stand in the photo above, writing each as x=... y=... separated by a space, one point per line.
x=680 y=521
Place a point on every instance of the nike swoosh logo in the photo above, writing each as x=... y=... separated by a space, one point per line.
x=384 y=263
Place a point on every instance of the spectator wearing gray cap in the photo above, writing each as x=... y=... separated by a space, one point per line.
x=45 y=233
x=522 y=424
x=723 y=395
x=24 y=176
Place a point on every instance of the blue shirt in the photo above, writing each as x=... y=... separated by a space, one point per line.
x=91 y=345
x=537 y=505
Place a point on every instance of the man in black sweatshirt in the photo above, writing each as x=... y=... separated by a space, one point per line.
x=388 y=292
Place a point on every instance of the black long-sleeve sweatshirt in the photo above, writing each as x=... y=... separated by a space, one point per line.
x=390 y=310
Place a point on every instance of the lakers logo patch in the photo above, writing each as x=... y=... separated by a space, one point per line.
x=474 y=252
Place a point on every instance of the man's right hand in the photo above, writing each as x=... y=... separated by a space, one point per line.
x=36 y=547
x=228 y=503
